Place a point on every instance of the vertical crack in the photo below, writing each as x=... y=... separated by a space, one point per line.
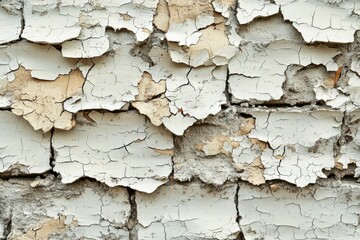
x=22 y=20
x=52 y=151
x=228 y=95
x=8 y=227
x=240 y=236
x=342 y=138
x=132 y=222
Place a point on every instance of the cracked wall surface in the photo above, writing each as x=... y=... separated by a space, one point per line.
x=179 y=119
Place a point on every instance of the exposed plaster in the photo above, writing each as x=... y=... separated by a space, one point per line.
x=57 y=212
x=40 y=102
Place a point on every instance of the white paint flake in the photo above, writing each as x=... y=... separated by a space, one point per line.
x=10 y=20
x=194 y=93
x=258 y=72
x=109 y=86
x=187 y=18
x=44 y=62
x=325 y=21
x=329 y=210
x=22 y=150
x=58 y=21
x=118 y=149
x=92 y=42
x=49 y=22
x=40 y=102
x=213 y=48
x=300 y=144
x=224 y=7
x=190 y=211
x=178 y=123
x=247 y=10
x=82 y=210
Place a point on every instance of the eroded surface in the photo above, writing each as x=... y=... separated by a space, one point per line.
x=326 y=211
x=23 y=150
x=119 y=149
x=191 y=211
x=47 y=209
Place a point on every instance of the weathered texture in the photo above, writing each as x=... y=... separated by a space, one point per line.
x=47 y=209
x=10 y=20
x=266 y=145
x=57 y=22
x=325 y=21
x=179 y=119
x=191 y=211
x=108 y=86
x=40 y=103
x=121 y=149
x=22 y=150
x=328 y=210
x=43 y=61
x=253 y=67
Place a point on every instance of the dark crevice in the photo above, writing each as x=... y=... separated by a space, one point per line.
x=132 y=221
x=227 y=90
x=240 y=236
x=280 y=104
x=11 y=175
x=52 y=150
x=8 y=227
x=344 y=138
x=52 y=155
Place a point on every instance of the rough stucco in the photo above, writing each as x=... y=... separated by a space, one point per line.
x=179 y=119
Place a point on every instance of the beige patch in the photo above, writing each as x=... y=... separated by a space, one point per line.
x=147 y=102
x=181 y=10
x=45 y=229
x=216 y=146
x=41 y=102
x=161 y=19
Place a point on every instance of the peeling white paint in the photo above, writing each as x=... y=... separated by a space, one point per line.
x=107 y=85
x=43 y=61
x=329 y=210
x=118 y=149
x=91 y=42
x=325 y=21
x=178 y=123
x=56 y=22
x=193 y=93
x=81 y=210
x=300 y=143
x=187 y=18
x=40 y=103
x=190 y=211
x=213 y=48
x=22 y=150
x=247 y=10
x=258 y=72
x=10 y=20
